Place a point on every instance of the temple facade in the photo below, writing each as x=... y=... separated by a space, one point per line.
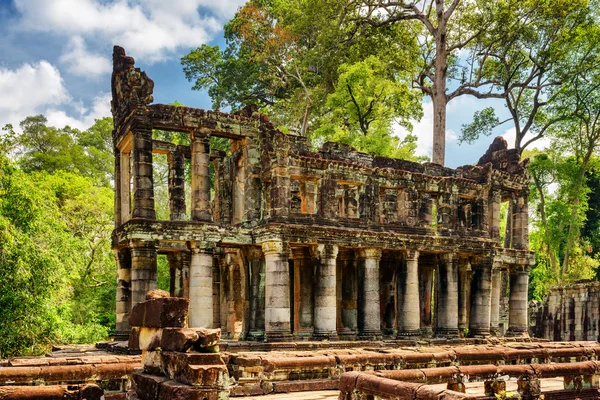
x=272 y=240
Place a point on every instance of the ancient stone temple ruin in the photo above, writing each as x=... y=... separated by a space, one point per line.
x=274 y=240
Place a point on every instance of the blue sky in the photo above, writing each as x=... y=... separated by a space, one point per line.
x=55 y=59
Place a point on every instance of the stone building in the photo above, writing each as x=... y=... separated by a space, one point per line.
x=273 y=240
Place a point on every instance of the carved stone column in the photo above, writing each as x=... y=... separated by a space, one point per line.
x=176 y=185
x=425 y=298
x=409 y=318
x=277 y=291
x=496 y=285
x=201 y=286
x=304 y=289
x=494 y=202
x=447 y=307
x=464 y=293
x=481 y=297
x=200 y=176
x=143 y=269
x=520 y=220
x=369 y=325
x=123 y=290
x=348 y=295
x=257 y=292
x=518 y=321
x=143 y=186
x=325 y=293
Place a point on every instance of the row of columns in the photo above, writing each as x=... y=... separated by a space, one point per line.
x=323 y=315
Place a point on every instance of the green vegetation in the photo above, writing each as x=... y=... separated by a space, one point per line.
x=58 y=275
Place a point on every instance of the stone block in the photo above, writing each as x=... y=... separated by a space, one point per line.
x=203 y=370
x=177 y=391
x=152 y=362
x=208 y=340
x=170 y=312
x=147 y=387
x=157 y=294
x=179 y=339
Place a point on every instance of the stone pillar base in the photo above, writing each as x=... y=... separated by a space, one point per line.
x=495 y=331
x=322 y=335
x=426 y=332
x=409 y=334
x=516 y=332
x=278 y=336
x=346 y=334
x=369 y=335
x=255 y=335
x=446 y=333
x=479 y=332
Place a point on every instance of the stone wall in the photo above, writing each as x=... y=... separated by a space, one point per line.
x=568 y=313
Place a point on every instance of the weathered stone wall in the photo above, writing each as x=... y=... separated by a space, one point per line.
x=568 y=313
x=275 y=240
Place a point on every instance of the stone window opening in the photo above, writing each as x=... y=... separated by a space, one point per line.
x=428 y=211
x=464 y=212
x=347 y=200
x=303 y=196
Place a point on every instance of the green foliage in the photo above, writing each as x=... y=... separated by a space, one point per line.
x=296 y=62
x=39 y=147
x=58 y=275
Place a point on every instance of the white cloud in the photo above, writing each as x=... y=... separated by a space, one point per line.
x=83 y=63
x=424 y=131
x=28 y=90
x=151 y=30
x=39 y=89
x=85 y=117
x=510 y=136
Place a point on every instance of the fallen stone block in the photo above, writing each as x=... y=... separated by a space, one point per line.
x=147 y=386
x=169 y=312
x=177 y=391
x=204 y=370
x=157 y=294
x=179 y=339
x=88 y=392
x=208 y=340
x=152 y=362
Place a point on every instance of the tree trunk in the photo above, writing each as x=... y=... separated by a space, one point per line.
x=438 y=94
x=574 y=211
x=546 y=228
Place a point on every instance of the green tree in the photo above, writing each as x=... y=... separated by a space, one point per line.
x=39 y=147
x=286 y=58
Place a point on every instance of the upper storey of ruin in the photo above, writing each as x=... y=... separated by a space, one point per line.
x=271 y=183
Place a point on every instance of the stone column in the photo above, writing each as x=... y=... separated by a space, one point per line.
x=304 y=285
x=143 y=269
x=425 y=293
x=494 y=202
x=464 y=293
x=495 y=311
x=201 y=286
x=143 y=186
x=200 y=176
x=518 y=321
x=277 y=291
x=409 y=319
x=123 y=257
x=125 y=186
x=235 y=297
x=481 y=297
x=348 y=292
x=369 y=325
x=325 y=293
x=252 y=184
x=520 y=219
x=447 y=300
x=176 y=185
x=257 y=292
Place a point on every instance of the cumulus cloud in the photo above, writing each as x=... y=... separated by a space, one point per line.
x=423 y=129
x=84 y=117
x=39 y=89
x=153 y=29
x=79 y=61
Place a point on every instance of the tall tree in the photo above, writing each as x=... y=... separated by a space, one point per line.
x=527 y=58
x=286 y=58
